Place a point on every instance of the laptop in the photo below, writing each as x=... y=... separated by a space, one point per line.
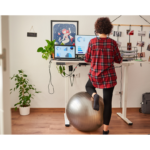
x=65 y=53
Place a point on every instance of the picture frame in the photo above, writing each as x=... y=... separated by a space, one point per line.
x=64 y=31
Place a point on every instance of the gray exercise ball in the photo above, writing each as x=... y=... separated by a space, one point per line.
x=81 y=114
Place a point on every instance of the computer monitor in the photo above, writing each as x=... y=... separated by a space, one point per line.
x=81 y=43
x=64 y=51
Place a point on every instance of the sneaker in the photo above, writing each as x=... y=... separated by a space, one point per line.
x=96 y=102
x=105 y=132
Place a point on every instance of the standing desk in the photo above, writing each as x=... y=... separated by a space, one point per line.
x=125 y=84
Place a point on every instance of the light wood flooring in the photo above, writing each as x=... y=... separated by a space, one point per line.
x=51 y=121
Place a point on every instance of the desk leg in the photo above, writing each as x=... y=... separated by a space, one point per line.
x=67 y=123
x=123 y=114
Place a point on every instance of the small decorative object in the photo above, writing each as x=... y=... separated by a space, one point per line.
x=140 y=43
x=149 y=58
x=47 y=50
x=31 y=34
x=129 y=46
x=64 y=31
x=141 y=54
x=24 y=92
x=148 y=47
x=141 y=33
x=117 y=33
x=130 y=32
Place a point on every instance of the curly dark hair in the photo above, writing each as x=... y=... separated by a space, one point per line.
x=103 y=25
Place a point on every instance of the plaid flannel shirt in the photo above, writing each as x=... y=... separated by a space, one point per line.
x=102 y=53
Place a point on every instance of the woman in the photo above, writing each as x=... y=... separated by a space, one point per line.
x=102 y=52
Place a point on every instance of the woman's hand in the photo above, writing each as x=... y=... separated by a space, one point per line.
x=121 y=61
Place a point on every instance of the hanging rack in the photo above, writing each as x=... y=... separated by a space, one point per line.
x=131 y=25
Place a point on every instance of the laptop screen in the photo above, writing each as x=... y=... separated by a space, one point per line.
x=64 y=51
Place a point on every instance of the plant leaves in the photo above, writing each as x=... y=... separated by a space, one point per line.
x=25 y=75
x=40 y=49
x=45 y=55
x=60 y=69
x=24 y=85
x=43 y=51
x=20 y=71
x=48 y=42
x=63 y=68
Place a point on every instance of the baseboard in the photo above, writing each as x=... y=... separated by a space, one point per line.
x=42 y=110
x=63 y=109
x=133 y=109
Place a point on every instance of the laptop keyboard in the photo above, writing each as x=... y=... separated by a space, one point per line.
x=68 y=59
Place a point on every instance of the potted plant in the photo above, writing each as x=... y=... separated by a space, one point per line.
x=48 y=50
x=24 y=92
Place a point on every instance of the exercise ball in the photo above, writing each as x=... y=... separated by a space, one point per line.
x=81 y=114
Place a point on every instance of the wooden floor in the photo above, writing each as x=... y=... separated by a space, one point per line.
x=44 y=121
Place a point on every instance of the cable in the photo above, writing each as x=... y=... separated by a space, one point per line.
x=144 y=19
x=116 y=18
x=69 y=75
x=130 y=30
x=118 y=31
x=50 y=79
x=73 y=80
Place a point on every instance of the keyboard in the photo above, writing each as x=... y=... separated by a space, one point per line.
x=68 y=59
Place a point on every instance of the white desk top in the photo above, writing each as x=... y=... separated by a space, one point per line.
x=123 y=63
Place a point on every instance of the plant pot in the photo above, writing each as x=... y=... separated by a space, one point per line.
x=53 y=55
x=24 y=110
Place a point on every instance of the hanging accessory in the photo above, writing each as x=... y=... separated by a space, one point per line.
x=129 y=45
x=141 y=49
x=31 y=34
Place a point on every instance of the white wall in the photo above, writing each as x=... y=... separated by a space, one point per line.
x=23 y=55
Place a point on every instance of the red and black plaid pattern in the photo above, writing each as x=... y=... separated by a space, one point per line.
x=102 y=53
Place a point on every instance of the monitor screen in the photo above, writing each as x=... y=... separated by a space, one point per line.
x=81 y=42
x=64 y=51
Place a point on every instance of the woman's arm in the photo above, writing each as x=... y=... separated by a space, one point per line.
x=87 y=57
x=117 y=56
